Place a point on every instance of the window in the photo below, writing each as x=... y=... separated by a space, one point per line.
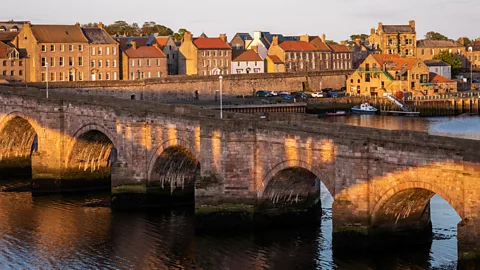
x=52 y=48
x=93 y=51
x=93 y=63
x=20 y=63
x=107 y=63
x=107 y=76
x=148 y=75
x=226 y=54
x=133 y=63
x=70 y=61
x=100 y=77
x=114 y=63
x=107 y=51
x=4 y=72
x=204 y=63
x=80 y=61
x=62 y=47
x=418 y=76
x=44 y=62
x=20 y=72
x=148 y=63
x=12 y=73
x=203 y=53
x=139 y=62
x=239 y=71
x=100 y=64
x=5 y=63
x=61 y=61
x=214 y=53
x=173 y=56
x=115 y=75
x=168 y=56
x=44 y=48
x=208 y=62
x=52 y=76
x=208 y=53
x=433 y=51
x=99 y=50
x=215 y=62
x=61 y=76
x=80 y=76
x=221 y=62
x=158 y=62
x=423 y=51
x=70 y=47
x=220 y=53
x=52 y=61
x=114 y=51
x=44 y=76
x=132 y=76
x=226 y=62
x=80 y=48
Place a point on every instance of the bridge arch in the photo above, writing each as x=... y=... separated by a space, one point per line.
x=173 y=172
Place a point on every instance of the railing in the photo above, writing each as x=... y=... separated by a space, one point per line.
x=397 y=102
x=447 y=96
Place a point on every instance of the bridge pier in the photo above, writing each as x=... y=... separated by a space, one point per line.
x=468 y=235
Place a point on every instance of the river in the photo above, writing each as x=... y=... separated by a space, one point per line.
x=60 y=232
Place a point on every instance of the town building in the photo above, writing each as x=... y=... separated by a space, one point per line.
x=170 y=49
x=104 y=55
x=325 y=52
x=439 y=67
x=473 y=58
x=428 y=49
x=205 y=56
x=394 y=39
x=247 y=61
x=341 y=56
x=12 y=26
x=360 y=52
x=298 y=56
x=274 y=64
x=143 y=62
x=60 y=49
x=241 y=41
x=261 y=42
x=384 y=73
x=12 y=63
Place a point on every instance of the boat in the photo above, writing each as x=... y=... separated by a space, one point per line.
x=337 y=113
x=364 y=108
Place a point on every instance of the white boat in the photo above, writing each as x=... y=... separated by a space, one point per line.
x=364 y=108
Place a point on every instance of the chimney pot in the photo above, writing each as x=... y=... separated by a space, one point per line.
x=223 y=37
x=275 y=41
x=187 y=36
x=412 y=23
x=100 y=25
x=77 y=24
x=304 y=38
x=380 y=25
x=133 y=44
x=324 y=38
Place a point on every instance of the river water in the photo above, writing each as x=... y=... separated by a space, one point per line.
x=60 y=232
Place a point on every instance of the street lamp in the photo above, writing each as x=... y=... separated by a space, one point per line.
x=221 y=80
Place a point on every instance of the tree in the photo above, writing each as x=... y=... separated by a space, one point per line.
x=330 y=42
x=179 y=35
x=450 y=59
x=354 y=37
x=435 y=36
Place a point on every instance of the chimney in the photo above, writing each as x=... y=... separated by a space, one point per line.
x=133 y=43
x=100 y=25
x=343 y=42
x=255 y=49
x=324 y=38
x=275 y=41
x=156 y=45
x=187 y=36
x=380 y=25
x=372 y=31
x=257 y=35
x=223 y=37
x=77 y=24
x=304 y=38
x=358 y=42
x=412 y=24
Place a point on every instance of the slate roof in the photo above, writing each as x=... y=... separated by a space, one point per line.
x=246 y=56
x=145 y=52
x=244 y=36
x=438 y=43
x=435 y=78
x=58 y=34
x=126 y=41
x=289 y=46
x=98 y=36
x=210 y=43
x=397 y=29
x=436 y=63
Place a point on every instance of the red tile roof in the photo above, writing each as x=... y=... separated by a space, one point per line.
x=319 y=44
x=289 y=46
x=3 y=50
x=275 y=59
x=162 y=41
x=210 y=43
x=338 y=48
x=435 y=78
x=145 y=52
x=394 y=62
x=246 y=56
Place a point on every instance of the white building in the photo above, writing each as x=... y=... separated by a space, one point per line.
x=439 y=67
x=247 y=61
x=261 y=42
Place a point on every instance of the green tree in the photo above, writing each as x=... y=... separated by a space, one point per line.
x=330 y=42
x=435 y=36
x=178 y=36
x=450 y=59
x=353 y=38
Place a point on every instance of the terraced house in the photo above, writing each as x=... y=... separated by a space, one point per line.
x=12 y=66
x=103 y=55
x=428 y=49
x=143 y=62
x=297 y=55
x=341 y=56
x=394 y=39
x=60 y=49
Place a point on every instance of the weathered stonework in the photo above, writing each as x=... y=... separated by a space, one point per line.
x=247 y=171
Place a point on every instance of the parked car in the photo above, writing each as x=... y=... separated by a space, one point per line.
x=284 y=93
x=288 y=97
x=317 y=94
x=299 y=95
x=332 y=94
x=262 y=93
x=273 y=93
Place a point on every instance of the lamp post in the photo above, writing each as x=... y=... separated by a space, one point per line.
x=221 y=105
x=46 y=78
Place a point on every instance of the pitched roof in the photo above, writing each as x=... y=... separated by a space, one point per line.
x=275 y=59
x=436 y=63
x=244 y=36
x=3 y=50
x=98 y=36
x=145 y=52
x=8 y=36
x=435 y=78
x=318 y=43
x=394 y=62
x=297 y=46
x=58 y=34
x=398 y=29
x=438 y=43
x=338 y=48
x=246 y=56
x=162 y=40
x=125 y=42
x=210 y=43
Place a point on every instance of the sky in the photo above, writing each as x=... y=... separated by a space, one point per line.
x=338 y=19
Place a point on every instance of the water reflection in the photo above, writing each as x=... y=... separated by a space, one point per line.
x=59 y=232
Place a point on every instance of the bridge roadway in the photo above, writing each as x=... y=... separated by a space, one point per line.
x=243 y=170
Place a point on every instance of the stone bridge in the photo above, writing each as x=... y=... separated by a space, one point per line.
x=242 y=170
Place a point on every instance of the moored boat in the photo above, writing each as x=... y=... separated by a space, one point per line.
x=364 y=108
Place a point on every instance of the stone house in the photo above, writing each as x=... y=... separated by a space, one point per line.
x=205 y=56
x=247 y=61
x=298 y=56
x=427 y=49
x=63 y=48
x=341 y=56
x=274 y=64
x=325 y=52
x=143 y=62
x=12 y=67
x=360 y=52
x=384 y=73
x=439 y=67
x=12 y=26
x=261 y=42
x=104 y=55
x=170 y=49
x=394 y=39
x=241 y=41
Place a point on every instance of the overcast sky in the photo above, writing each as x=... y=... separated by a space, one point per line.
x=338 y=19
